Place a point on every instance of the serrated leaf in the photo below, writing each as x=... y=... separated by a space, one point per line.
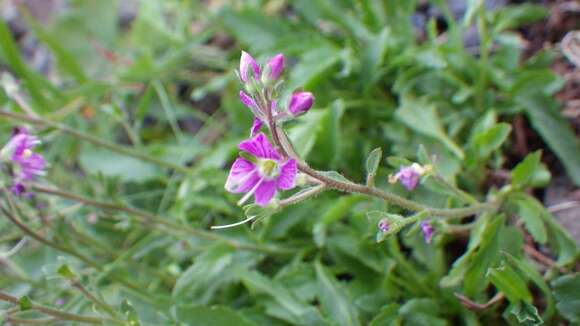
x=526 y=313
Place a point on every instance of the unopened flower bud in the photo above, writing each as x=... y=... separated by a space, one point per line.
x=300 y=103
x=273 y=69
x=247 y=64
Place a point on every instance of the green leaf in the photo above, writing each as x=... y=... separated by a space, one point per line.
x=526 y=313
x=389 y=315
x=555 y=130
x=203 y=278
x=567 y=292
x=66 y=272
x=529 y=213
x=285 y=305
x=373 y=161
x=421 y=116
x=526 y=269
x=481 y=251
x=510 y=17
x=530 y=172
x=422 y=312
x=510 y=283
x=491 y=139
x=335 y=300
x=305 y=134
x=116 y=165
x=337 y=210
x=328 y=143
x=210 y=316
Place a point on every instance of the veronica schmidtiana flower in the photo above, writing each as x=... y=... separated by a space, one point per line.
x=408 y=176
x=300 y=103
x=428 y=231
x=274 y=68
x=262 y=172
x=26 y=164
x=247 y=64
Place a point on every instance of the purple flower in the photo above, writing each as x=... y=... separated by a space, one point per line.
x=27 y=164
x=274 y=67
x=408 y=176
x=262 y=173
x=300 y=103
x=247 y=63
x=383 y=225
x=249 y=102
x=428 y=231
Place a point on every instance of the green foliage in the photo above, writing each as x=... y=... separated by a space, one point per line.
x=161 y=95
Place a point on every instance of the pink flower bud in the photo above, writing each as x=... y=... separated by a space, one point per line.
x=247 y=63
x=300 y=103
x=274 y=67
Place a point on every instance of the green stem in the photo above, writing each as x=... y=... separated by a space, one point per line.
x=302 y=196
x=460 y=193
x=57 y=313
x=155 y=219
x=95 y=140
x=106 y=307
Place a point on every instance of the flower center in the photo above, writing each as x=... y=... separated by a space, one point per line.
x=27 y=153
x=268 y=168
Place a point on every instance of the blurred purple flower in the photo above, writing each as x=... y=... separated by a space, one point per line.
x=428 y=231
x=262 y=173
x=383 y=225
x=27 y=164
x=408 y=176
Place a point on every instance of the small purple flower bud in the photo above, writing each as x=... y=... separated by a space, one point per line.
x=428 y=231
x=300 y=103
x=408 y=176
x=59 y=302
x=247 y=100
x=383 y=225
x=255 y=127
x=274 y=67
x=247 y=63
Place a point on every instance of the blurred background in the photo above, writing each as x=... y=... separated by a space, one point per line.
x=480 y=84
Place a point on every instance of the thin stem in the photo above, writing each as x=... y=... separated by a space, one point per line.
x=155 y=219
x=55 y=313
x=392 y=198
x=108 y=309
x=14 y=250
x=95 y=140
x=302 y=196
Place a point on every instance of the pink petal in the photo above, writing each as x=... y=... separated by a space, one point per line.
x=259 y=146
x=287 y=177
x=243 y=176
x=265 y=192
x=255 y=127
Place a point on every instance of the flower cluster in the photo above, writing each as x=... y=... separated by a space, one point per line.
x=25 y=164
x=262 y=169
